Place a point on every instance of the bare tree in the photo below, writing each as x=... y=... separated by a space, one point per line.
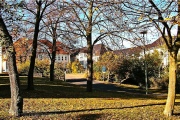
x=91 y=22
x=159 y=14
x=173 y=48
x=16 y=106
x=38 y=10
x=52 y=29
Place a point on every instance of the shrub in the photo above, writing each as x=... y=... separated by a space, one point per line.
x=133 y=68
x=97 y=75
x=68 y=67
x=59 y=71
x=76 y=67
x=42 y=66
x=23 y=68
x=158 y=83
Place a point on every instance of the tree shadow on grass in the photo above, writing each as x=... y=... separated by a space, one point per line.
x=176 y=114
x=86 y=110
x=89 y=116
x=71 y=91
x=59 y=89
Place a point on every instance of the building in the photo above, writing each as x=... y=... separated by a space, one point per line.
x=98 y=50
x=23 y=48
x=62 y=53
x=3 y=61
x=158 y=45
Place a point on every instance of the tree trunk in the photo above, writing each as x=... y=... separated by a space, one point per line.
x=52 y=70
x=89 y=49
x=169 y=108
x=89 y=68
x=53 y=60
x=16 y=106
x=30 y=85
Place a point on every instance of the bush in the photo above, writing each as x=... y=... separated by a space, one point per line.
x=97 y=75
x=23 y=68
x=134 y=69
x=76 y=67
x=131 y=71
x=59 y=71
x=68 y=67
x=42 y=66
x=158 y=83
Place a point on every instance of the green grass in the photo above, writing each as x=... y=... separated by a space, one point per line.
x=61 y=101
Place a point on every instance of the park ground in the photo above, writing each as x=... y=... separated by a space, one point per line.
x=59 y=100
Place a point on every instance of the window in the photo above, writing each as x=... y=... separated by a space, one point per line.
x=59 y=58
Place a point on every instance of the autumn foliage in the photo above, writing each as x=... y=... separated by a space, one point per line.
x=76 y=67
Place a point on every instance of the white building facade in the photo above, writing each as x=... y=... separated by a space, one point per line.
x=3 y=61
x=98 y=50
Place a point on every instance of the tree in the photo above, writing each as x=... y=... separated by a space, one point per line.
x=22 y=50
x=52 y=24
x=158 y=14
x=110 y=61
x=40 y=11
x=173 y=48
x=154 y=63
x=91 y=21
x=16 y=106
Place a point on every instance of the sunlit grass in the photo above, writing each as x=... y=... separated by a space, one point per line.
x=62 y=101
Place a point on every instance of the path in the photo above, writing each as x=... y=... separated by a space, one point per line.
x=79 y=79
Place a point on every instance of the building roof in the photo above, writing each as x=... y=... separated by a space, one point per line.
x=61 y=48
x=159 y=42
x=98 y=49
x=24 y=43
x=134 y=50
x=46 y=42
x=128 y=51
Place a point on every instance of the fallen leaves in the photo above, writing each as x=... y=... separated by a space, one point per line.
x=61 y=101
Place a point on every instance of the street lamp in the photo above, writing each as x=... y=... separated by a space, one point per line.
x=145 y=62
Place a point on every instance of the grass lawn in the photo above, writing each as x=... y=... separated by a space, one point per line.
x=61 y=101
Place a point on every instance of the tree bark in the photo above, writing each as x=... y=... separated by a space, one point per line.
x=89 y=67
x=169 y=107
x=89 y=49
x=30 y=83
x=53 y=60
x=16 y=106
x=173 y=48
x=52 y=69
